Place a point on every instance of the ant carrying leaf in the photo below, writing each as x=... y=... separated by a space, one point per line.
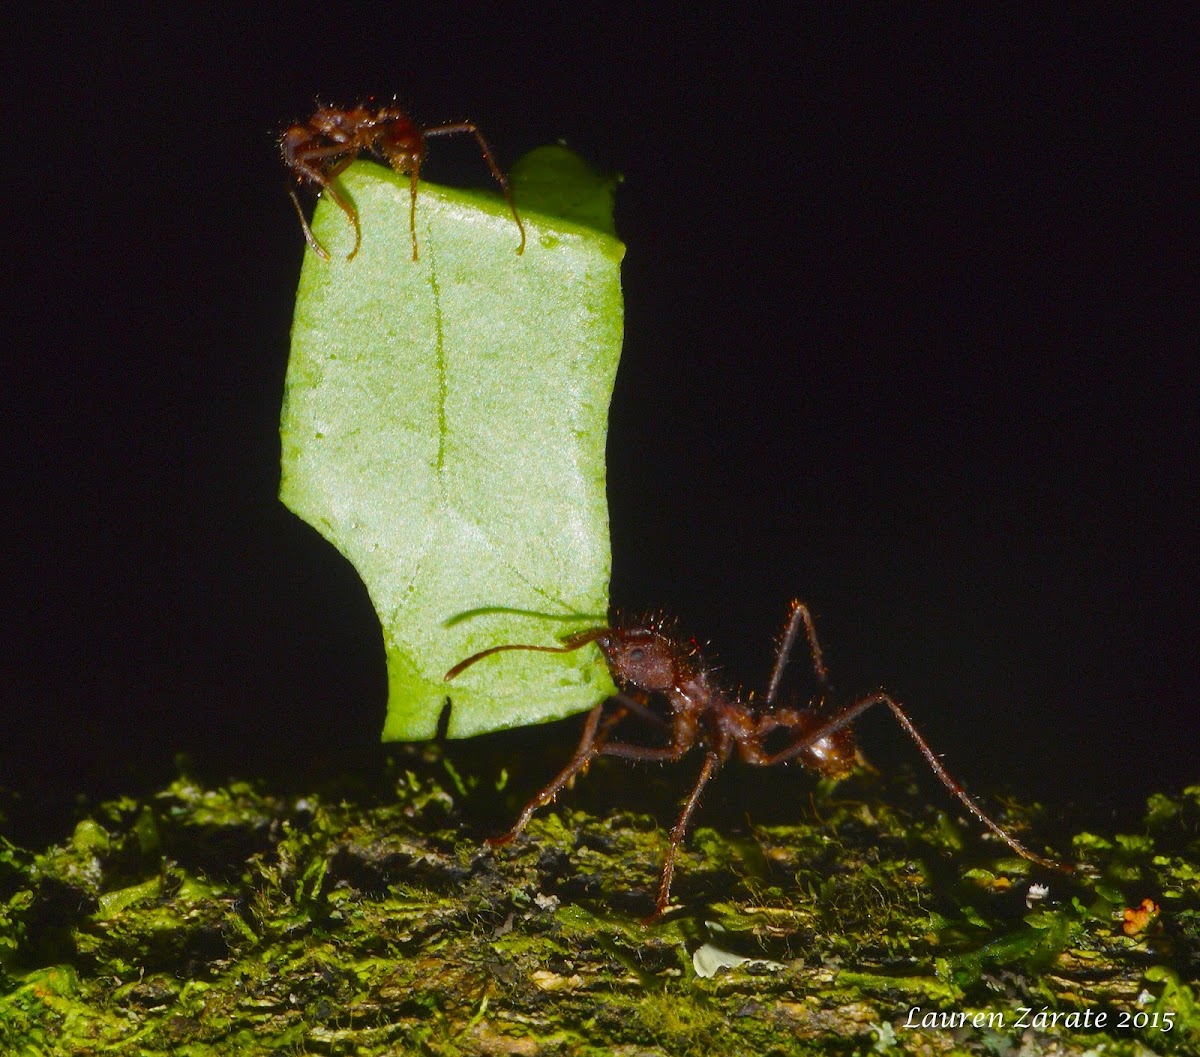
x=647 y=662
x=318 y=150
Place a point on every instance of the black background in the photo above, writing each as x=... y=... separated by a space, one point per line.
x=910 y=333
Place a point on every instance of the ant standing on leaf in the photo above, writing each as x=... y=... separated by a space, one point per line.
x=646 y=661
x=318 y=150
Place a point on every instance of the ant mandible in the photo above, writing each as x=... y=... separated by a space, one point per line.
x=645 y=661
x=321 y=148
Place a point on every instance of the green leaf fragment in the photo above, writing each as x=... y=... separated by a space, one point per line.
x=444 y=424
x=556 y=181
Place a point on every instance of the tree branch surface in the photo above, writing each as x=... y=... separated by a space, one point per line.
x=237 y=920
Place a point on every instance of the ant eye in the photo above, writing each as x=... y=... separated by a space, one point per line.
x=637 y=654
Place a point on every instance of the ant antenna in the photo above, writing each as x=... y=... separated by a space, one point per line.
x=570 y=644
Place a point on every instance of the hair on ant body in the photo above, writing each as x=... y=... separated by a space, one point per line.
x=647 y=662
x=318 y=150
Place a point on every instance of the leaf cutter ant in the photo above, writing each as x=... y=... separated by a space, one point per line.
x=648 y=663
x=318 y=150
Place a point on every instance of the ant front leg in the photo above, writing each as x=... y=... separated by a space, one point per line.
x=325 y=180
x=309 y=237
x=584 y=755
x=639 y=707
x=413 y=177
x=839 y=722
x=593 y=743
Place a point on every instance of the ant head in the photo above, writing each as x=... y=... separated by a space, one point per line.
x=642 y=657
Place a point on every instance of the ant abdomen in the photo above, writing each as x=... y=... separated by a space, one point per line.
x=835 y=755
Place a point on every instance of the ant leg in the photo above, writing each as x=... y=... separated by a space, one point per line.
x=712 y=762
x=639 y=709
x=683 y=737
x=407 y=159
x=590 y=745
x=414 y=175
x=880 y=698
x=593 y=743
x=325 y=180
x=799 y=617
x=466 y=126
x=644 y=753
x=309 y=237
x=346 y=207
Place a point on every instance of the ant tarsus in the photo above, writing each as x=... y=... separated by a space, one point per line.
x=647 y=662
x=318 y=150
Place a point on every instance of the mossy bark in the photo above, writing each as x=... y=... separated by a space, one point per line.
x=234 y=920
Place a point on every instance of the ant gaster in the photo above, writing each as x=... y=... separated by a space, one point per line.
x=647 y=662
x=321 y=148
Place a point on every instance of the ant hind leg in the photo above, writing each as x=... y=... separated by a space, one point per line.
x=846 y=717
x=468 y=127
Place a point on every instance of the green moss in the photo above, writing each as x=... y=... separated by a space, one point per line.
x=237 y=921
